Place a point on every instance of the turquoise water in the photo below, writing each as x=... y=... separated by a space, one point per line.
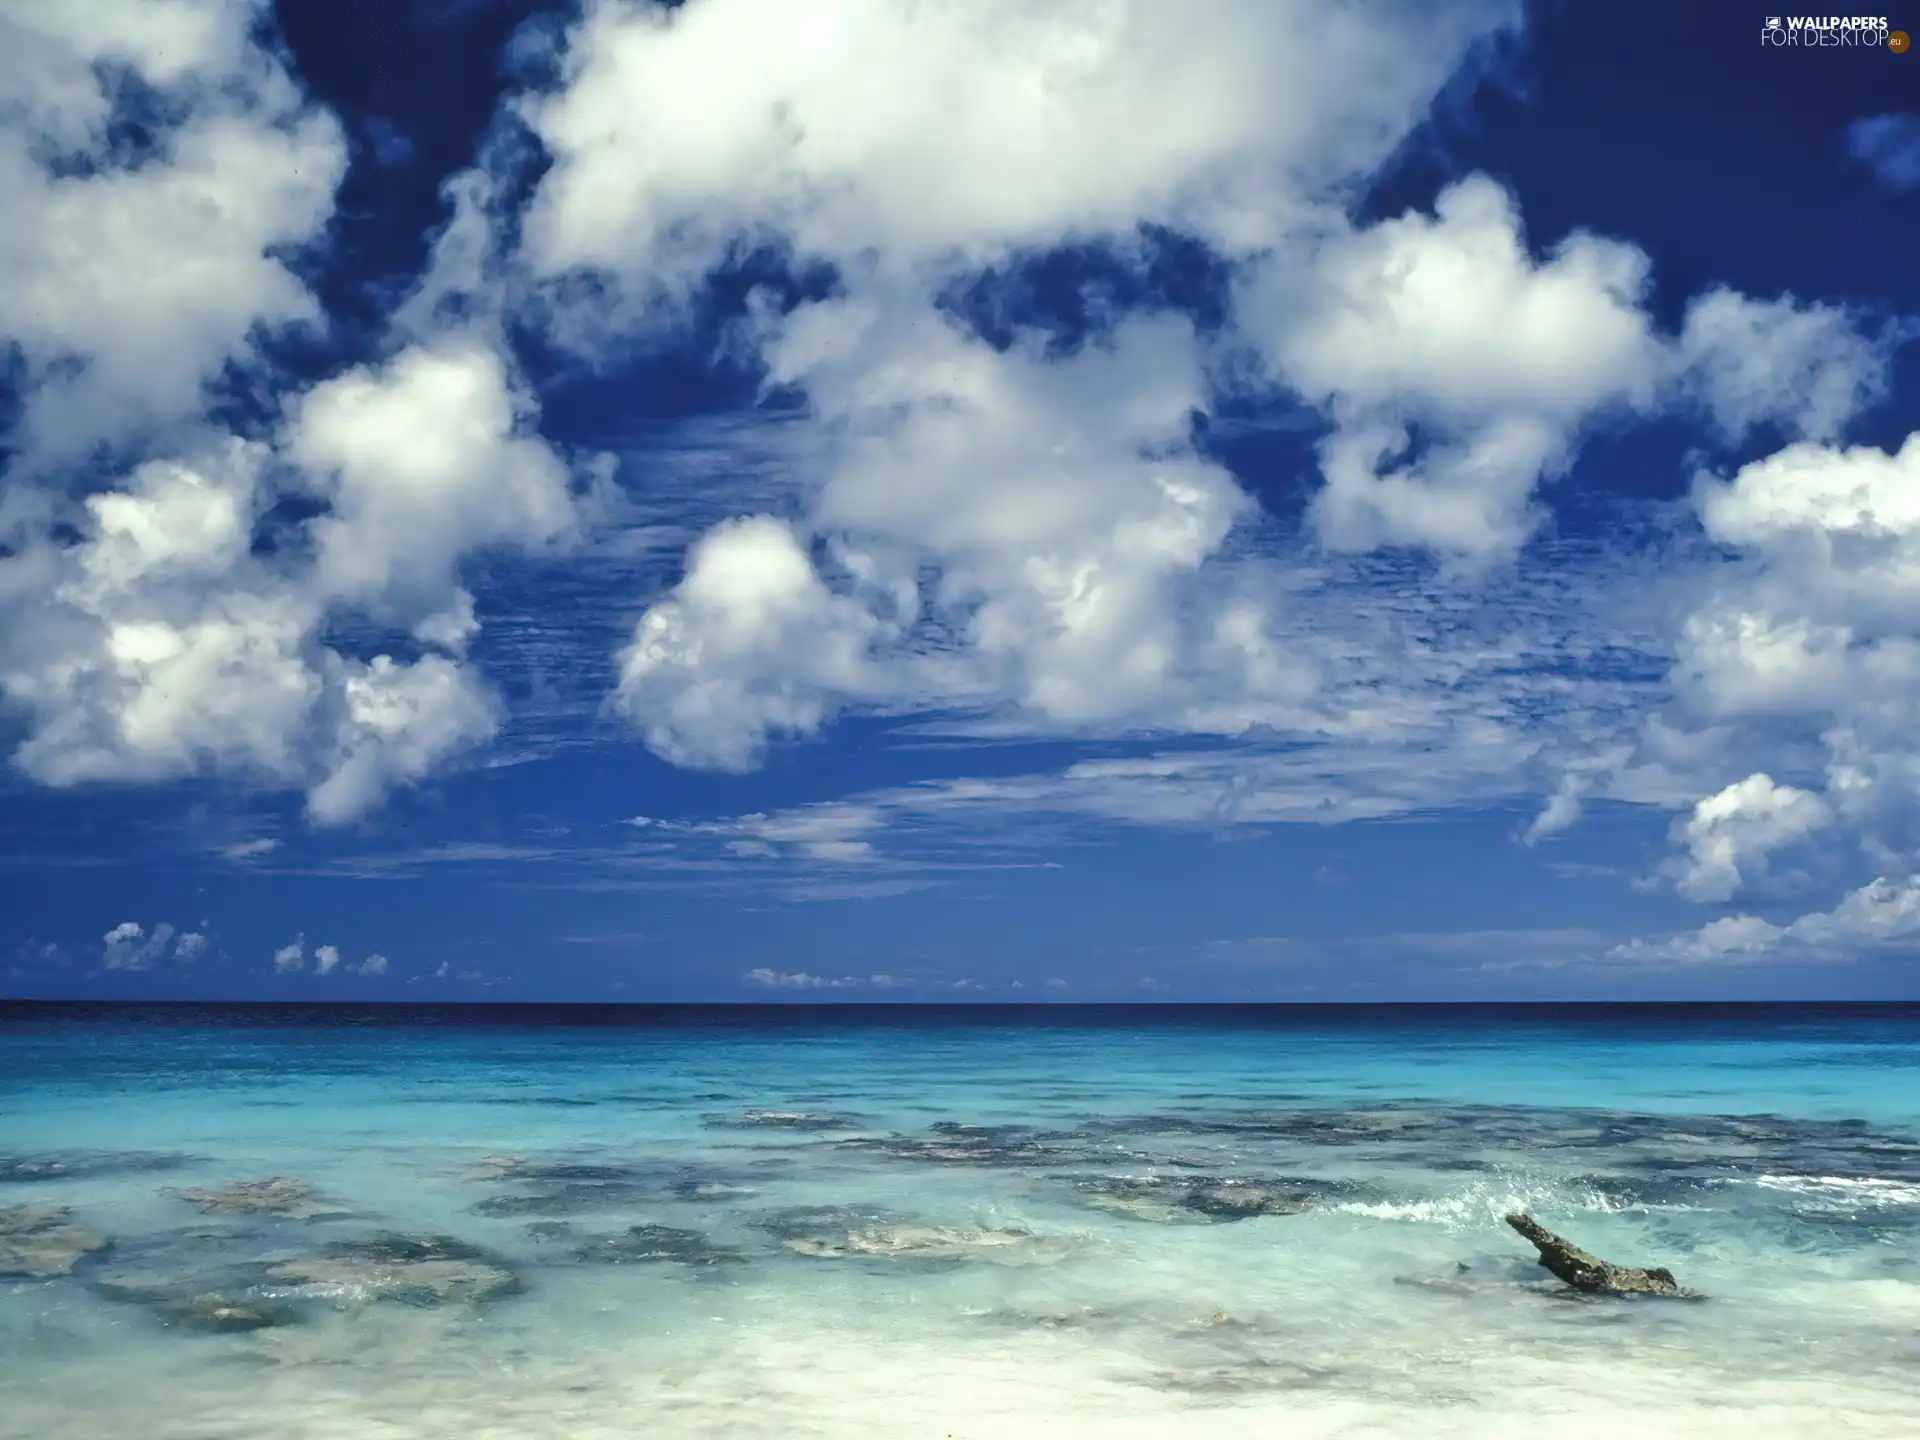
x=950 y=1223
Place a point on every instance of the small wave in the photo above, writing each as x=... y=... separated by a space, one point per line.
x=336 y=1291
x=1480 y=1204
x=1844 y=1189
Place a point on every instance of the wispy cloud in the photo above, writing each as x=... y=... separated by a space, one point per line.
x=249 y=849
x=1889 y=146
x=400 y=864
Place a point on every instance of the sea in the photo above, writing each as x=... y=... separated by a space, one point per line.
x=383 y=1223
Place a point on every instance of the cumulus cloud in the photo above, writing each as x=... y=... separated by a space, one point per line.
x=1813 y=626
x=291 y=957
x=325 y=959
x=161 y=646
x=935 y=136
x=374 y=965
x=1799 y=643
x=1447 y=323
x=992 y=524
x=163 y=641
x=751 y=644
x=189 y=948
x=1027 y=527
x=397 y=722
x=1889 y=146
x=1729 y=835
x=1884 y=912
x=129 y=275
x=1806 y=368
x=421 y=462
x=128 y=946
x=1021 y=526
x=1058 y=506
x=1461 y=373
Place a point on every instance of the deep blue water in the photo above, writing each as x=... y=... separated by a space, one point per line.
x=955 y=1221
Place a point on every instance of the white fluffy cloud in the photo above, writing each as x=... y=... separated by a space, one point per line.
x=325 y=959
x=374 y=965
x=1019 y=529
x=291 y=956
x=1460 y=372
x=934 y=134
x=1027 y=531
x=1729 y=835
x=1815 y=624
x=156 y=647
x=1803 y=642
x=398 y=722
x=421 y=462
x=126 y=286
x=751 y=643
x=1447 y=323
x=1884 y=912
x=1806 y=368
x=992 y=525
x=160 y=644
x=129 y=947
x=1057 y=505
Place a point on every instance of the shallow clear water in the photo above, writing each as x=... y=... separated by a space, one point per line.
x=1212 y=1223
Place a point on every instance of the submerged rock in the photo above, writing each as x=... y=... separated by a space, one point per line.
x=954 y=1142
x=282 y=1196
x=421 y=1270
x=576 y=1198
x=1249 y=1376
x=860 y=1233
x=549 y=1172
x=1082 y=1317
x=1192 y=1199
x=644 y=1244
x=560 y=1188
x=84 y=1165
x=41 y=1241
x=783 y=1120
x=232 y=1299
x=220 y=1314
x=1590 y=1274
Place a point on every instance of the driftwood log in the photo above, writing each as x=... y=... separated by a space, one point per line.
x=1590 y=1274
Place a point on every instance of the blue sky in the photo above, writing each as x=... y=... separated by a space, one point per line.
x=994 y=502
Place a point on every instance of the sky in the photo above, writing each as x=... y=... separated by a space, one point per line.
x=1017 y=500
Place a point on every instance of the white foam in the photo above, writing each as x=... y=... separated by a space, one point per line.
x=1846 y=1190
x=1476 y=1204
